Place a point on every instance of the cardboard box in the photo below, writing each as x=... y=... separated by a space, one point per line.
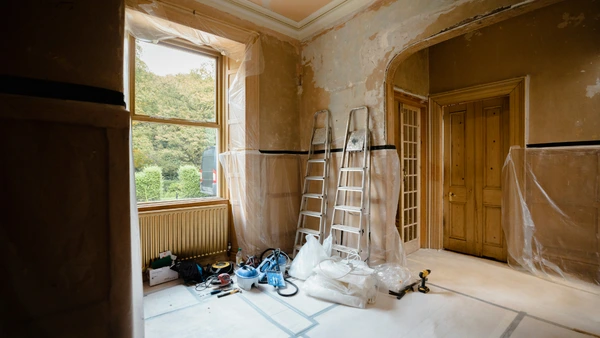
x=161 y=275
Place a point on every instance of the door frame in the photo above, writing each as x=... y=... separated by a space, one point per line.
x=517 y=91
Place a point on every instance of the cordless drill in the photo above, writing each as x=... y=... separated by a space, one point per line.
x=423 y=274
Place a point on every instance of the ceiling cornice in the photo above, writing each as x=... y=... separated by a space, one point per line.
x=317 y=21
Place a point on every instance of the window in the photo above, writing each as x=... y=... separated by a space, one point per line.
x=176 y=113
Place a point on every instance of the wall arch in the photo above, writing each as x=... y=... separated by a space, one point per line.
x=432 y=190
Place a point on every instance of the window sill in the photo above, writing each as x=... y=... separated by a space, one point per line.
x=166 y=205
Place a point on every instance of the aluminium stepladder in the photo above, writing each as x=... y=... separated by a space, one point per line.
x=350 y=225
x=319 y=153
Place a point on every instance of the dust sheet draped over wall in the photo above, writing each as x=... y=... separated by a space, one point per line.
x=551 y=211
x=265 y=189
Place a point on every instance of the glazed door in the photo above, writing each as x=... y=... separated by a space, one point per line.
x=408 y=217
x=475 y=146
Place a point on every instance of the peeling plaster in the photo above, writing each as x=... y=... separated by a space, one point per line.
x=358 y=52
x=574 y=20
x=592 y=90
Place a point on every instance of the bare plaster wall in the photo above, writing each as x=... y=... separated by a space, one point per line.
x=558 y=46
x=345 y=66
x=279 y=101
x=413 y=73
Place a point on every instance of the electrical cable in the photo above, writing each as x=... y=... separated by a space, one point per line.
x=288 y=294
x=205 y=284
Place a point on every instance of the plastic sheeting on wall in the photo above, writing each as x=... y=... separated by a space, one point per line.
x=266 y=191
x=159 y=24
x=551 y=211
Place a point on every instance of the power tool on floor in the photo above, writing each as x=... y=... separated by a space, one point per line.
x=404 y=291
x=423 y=275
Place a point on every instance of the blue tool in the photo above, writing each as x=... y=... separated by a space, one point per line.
x=271 y=268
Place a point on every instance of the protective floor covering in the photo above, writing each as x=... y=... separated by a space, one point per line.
x=469 y=297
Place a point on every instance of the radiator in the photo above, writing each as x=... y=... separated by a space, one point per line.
x=187 y=232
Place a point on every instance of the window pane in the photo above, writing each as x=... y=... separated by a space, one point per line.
x=172 y=82
x=174 y=162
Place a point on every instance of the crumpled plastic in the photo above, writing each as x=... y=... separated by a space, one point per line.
x=309 y=256
x=392 y=276
x=335 y=291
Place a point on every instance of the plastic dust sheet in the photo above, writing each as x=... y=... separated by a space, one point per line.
x=265 y=189
x=265 y=192
x=159 y=22
x=551 y=211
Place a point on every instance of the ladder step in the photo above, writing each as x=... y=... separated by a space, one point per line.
x=347 y=208
x=311 y=213
x=357 y=189
x=343 y=248
x=317 y=160
x=346 y=228
x=314 y=178
x=309 y=232
x=318 y=196
x=352 y=169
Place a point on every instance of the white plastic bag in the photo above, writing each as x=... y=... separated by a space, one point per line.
x=311 y=254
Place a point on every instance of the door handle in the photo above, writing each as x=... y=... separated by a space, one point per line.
x=451 y=194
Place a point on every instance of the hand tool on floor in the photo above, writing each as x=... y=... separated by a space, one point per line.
x=229 y=293
x=423 y=274
x=404 y=291
x=214 y=292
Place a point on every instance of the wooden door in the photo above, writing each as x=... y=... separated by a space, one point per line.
x=409 y=151
x=475 y=146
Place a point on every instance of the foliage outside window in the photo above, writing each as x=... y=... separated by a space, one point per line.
x=175 y=123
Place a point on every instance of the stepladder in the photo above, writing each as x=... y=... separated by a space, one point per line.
x=350 y=224
x=313 y=205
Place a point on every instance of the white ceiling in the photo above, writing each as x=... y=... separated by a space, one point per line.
x=296 y=18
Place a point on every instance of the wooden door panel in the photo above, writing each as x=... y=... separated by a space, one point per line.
x=459 y=222
x=457 y=149
x=494 y=114
x=493 y=151
x=493 y=237
x=475 y=146
x=457 y=214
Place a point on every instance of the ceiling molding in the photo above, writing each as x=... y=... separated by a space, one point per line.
x=317 y=21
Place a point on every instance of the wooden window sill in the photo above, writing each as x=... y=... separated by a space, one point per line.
x=166 y=205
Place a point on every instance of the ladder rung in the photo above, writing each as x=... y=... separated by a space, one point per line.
x=314 y=178
x=346 y=228
x=317 y=160
x=309 y=231
x=343 y=248
x=319 y=196
x=298 y=247
x=347 y=208
x=353 y=169
x=357 y=189
x=311 y=213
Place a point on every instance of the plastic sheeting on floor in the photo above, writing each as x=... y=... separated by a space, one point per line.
x=551 y=211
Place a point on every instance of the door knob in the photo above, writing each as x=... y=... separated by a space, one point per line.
x=451 y=194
